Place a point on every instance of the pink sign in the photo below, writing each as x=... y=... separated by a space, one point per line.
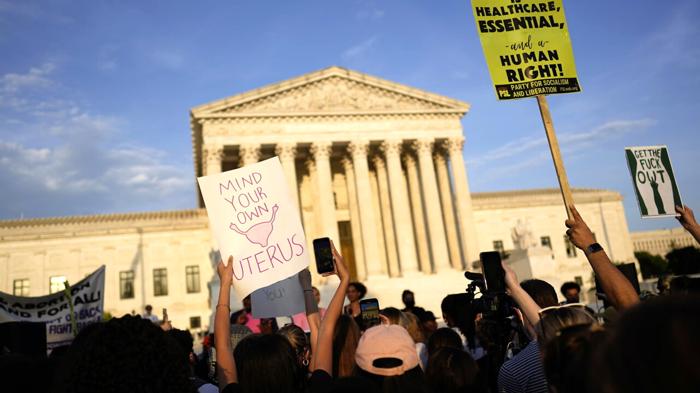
x=253 y=218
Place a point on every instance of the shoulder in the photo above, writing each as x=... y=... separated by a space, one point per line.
x=320 y=382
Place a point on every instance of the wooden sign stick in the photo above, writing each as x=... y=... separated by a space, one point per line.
x=556 y=154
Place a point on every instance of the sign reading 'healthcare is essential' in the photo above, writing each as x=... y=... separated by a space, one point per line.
x=527 y=47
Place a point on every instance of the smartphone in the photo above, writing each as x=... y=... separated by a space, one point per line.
x=324 y=256
x=494 y=275
x=369 y=309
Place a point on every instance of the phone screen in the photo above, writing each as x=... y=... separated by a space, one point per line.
x=324 y=256
x=494 y=275
x=370 y=312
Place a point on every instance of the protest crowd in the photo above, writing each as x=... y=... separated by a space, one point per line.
x=523 y=340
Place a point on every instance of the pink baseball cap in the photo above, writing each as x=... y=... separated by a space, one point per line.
x=386 y=350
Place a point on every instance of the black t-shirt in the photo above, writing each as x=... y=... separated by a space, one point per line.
x=320 y=382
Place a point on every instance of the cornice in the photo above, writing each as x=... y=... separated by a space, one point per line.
x=539 y=197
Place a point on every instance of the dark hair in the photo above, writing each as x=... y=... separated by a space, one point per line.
x=667 y=328
x=461 y=314
x=126 y=354
x=393 y=314
x=541 y=292
x=569 y=285
x=411 y=381
x=272 y=353
x=345 y=338
x=568 y=358
x=360 y=287
x=444 y=338
x=297 y=339
x=184 y=341
x=451 y=370
x=234 y=317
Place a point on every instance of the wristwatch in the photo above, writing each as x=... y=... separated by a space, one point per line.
x=593 y=248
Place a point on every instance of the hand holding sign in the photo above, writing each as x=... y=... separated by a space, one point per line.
x=578 y=231
x=225 y=272
x=687 y=219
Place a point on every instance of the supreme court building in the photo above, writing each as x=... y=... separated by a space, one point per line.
x=375 y=165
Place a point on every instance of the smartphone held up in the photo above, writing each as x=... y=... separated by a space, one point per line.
x=323 y=252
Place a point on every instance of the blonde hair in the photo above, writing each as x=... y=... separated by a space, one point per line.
x=553 y=320
x=411 y=323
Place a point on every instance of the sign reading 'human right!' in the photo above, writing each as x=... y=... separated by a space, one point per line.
x=527 y=47
x=654 y=181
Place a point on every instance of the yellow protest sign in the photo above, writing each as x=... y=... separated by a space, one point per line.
x=527 y=47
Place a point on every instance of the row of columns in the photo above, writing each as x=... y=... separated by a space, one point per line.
x=417 y=212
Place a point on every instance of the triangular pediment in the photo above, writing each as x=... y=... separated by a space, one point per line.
x=332 y=90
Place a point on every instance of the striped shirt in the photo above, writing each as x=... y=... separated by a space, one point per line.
x=524 y=373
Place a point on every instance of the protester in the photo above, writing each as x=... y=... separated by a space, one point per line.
x=126 y=354
x=254 y=324
x=356 y=292
x=408 y=298
x=428 y=323
x=239 y=317
x=345 y=339
x=185 y=342
x=411 y=323
x=300 y=318
x=297 y=339
x=452 y=370
x=570 y=290
x=444 y=338
x=568 y=358
x=148 y=314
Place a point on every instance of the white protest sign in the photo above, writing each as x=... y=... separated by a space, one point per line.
x=654 y=181
x=254 y=219
x=54 y=310
x=283 y=298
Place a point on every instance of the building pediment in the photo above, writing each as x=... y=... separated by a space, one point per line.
x=329 y=91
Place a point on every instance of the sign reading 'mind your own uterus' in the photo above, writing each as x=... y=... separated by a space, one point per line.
x=254 y=219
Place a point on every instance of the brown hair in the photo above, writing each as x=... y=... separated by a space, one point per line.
x=553 y=320
x=345 y=338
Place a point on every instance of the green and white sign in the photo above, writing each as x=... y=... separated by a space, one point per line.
x=654 y=181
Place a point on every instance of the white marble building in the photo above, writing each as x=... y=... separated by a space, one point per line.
x=375 y=165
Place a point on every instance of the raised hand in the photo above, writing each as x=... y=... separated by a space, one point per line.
x=578 y=231
x=340 y=269
x=225 y=271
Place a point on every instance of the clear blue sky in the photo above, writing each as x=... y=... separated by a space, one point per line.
x=94 y=95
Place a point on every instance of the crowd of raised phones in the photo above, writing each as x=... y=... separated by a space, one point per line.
x=635 y=346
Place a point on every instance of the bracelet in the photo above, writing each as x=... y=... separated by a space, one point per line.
x=223 y=305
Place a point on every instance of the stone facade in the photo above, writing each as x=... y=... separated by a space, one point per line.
x=662 y=241
x=375 y=165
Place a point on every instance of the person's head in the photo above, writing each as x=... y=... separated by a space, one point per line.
x=662 y=332
x=267 y=363
x=444 y=338
x=451 y=370
x=568 y=358
x=393 y=314
x=297 y=339
x=541 y=292
x=185 y=343
x=570 y=290
x=356 y=291
x=428 y=322
x=345 y=338
x=554 y=319
x=387 y=356
x=317 y=294
x=268 y=325
x=408 y=298
x=412 y=325
x=239 y=317
x=246 y=304
x=149 y=309
x=126 y=354
x=458 y=312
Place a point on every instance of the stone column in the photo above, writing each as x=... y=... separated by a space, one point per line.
x=465 y=214
x=387 y=216
x=401 y=209
x=358 y=151
x=355 y=226
x=417 y=210
x=329 y=223
x=249 y=154
x=213 y=155
x=431 y=196
x=287 y=153
x=379 y=227
x=448 y=213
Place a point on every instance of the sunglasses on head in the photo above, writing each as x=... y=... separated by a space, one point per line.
x=550 y=308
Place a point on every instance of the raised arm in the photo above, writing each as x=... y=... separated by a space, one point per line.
x=527 y=305
x=225 y=364
x=312 y=315
x=323 y=358
x=617 y=288
x=687 y=219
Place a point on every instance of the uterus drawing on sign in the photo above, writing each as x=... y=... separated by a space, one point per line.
x=260 y=232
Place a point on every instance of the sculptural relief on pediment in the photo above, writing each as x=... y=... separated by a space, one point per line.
x=334 y=94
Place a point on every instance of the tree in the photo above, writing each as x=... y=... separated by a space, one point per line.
x=684 y=260
x=651 y=265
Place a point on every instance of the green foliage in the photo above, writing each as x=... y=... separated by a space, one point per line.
x=684 y=260
x=651 y=265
